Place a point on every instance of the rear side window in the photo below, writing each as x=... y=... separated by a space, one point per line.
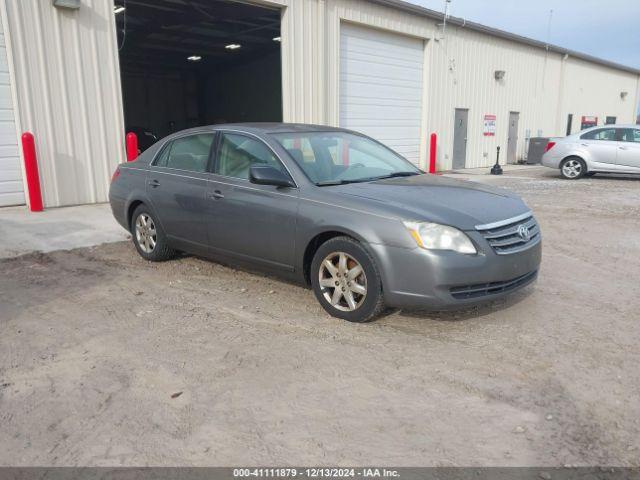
x=187 y=153
x=630 y=135
x=600 y=134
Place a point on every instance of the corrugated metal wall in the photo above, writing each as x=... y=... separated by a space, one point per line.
x=68 y=88
x=594 y=90
x=67 y=75
x=459 y=73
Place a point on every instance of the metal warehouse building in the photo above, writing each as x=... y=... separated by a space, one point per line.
x=79 y=73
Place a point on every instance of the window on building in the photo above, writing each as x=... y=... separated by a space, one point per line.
x=600 y=134
x=610 y=120
x=188 y=153
x=239 y=153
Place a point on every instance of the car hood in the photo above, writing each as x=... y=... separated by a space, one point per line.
x=438 y=199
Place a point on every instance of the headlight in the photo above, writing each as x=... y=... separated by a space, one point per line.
x=434 y=236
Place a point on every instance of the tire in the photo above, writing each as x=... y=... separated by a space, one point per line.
x=148 y=237
x=344 y=254
x=573 y=168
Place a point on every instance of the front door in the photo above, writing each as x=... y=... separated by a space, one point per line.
x=250 y=221
x=601 y=144
x=512 y=141
x=177 y=187
x=629 y=147
x=460 y=138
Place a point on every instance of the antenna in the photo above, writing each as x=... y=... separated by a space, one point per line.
x=549 y=28
x=446 y=15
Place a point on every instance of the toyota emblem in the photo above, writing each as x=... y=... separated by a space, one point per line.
x=523 y=232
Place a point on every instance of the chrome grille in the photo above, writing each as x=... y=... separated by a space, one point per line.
x=512 y=235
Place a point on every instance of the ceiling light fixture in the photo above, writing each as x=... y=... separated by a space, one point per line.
x=233 y=46
x=118 y=9
x=194 y=58
x=277 y=39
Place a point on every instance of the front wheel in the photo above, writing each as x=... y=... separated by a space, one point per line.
x=573 y=168
x=346 y=281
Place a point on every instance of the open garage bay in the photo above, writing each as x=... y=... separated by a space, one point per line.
x=106 y=359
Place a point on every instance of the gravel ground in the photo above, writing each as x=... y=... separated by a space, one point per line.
x=106 y=359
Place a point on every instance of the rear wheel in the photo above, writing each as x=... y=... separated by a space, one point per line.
x=573 y=168
x=148 y=236
x=346 y=281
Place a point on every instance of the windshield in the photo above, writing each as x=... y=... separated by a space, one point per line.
x=330 y=158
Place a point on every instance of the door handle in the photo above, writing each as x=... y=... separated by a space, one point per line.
x=584 y=144
x=216 y=195
x=623 y=148
x=154 y=183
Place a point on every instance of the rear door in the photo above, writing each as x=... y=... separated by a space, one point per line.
x=601 y=144
x=256 y=222
x=629 y=147
x=177 y=187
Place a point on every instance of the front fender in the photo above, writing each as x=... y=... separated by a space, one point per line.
x=316 y=218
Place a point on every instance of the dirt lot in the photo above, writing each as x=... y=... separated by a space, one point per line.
x=108 y=360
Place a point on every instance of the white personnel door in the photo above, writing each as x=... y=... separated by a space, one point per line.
x=11 y=187
x=381 y=78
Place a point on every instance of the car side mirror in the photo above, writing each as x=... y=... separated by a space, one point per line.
x=266 y=175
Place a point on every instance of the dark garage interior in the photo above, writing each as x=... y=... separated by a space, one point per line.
x=186 y=63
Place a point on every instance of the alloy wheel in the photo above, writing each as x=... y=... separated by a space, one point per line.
x=146 y=234
x=572 y=168
x=343 y=281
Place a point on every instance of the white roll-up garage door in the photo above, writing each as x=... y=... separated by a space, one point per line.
x=11 y=188
x=381 y=76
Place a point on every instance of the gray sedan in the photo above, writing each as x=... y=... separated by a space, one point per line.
x=329 y=208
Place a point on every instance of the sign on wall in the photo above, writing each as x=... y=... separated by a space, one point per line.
x=489 y=125
x=588 y=122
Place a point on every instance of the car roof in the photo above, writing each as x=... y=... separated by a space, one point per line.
x=263 y=128
x=611 y=125
x=273 y=127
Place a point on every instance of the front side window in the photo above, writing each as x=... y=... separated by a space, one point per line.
x=188 y=153
x=630 y=135
x=600 y=134
x=238 y=153
x=341 y=157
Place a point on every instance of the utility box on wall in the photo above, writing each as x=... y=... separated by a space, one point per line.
x=71 y=4
x=537 y=146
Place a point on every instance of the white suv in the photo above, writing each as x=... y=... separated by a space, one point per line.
x=609 y=148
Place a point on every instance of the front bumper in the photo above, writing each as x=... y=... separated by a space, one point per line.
x=440 y=280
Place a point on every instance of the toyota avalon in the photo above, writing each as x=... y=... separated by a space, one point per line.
x=332 y=209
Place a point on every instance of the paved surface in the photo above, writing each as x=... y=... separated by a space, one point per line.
x=108 y=360
x=22 y=231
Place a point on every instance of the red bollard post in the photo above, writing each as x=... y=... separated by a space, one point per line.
x=132 y=146
x=31 y=171
x=432 y=153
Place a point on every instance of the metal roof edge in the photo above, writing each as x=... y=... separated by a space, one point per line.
x=478 y=27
